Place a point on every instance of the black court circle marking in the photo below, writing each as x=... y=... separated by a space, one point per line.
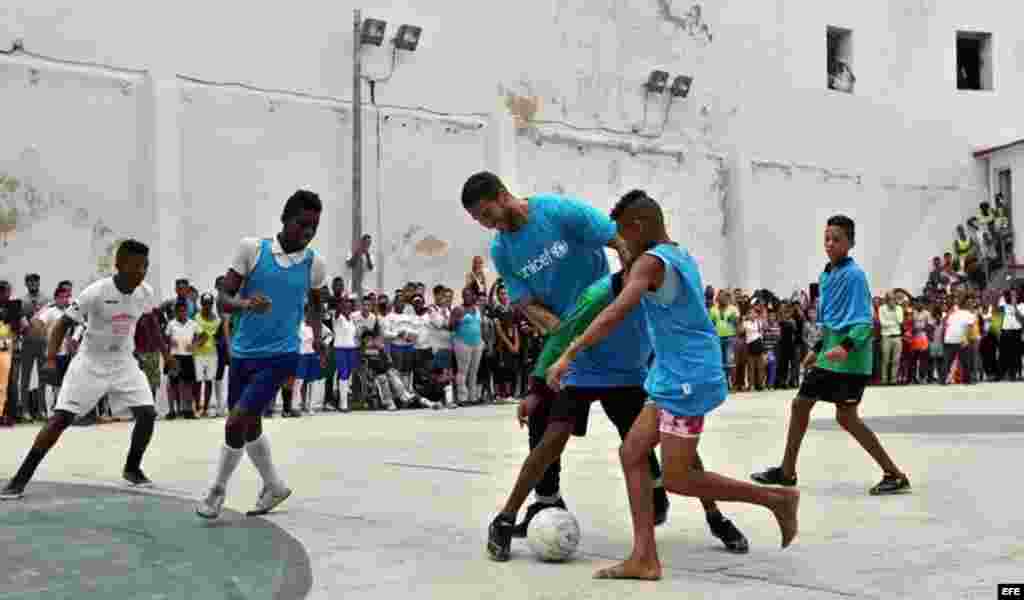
x=89 y=542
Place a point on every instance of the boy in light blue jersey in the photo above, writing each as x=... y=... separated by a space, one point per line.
x=840 y=364
x=550 y=251
x=684 y=384
x=267 y=286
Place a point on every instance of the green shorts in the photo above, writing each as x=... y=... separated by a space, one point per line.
x=149 y=362
x=594 y=299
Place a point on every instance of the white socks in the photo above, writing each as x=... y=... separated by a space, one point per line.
x=218 y=395
x=343 y=394
x=229 y=459
x=259 y=453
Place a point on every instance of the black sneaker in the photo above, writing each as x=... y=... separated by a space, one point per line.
x=774 y=476
x=732 y=537
x=519 y=531
x=661 y=505
x=891 y=484
x=499 y=538
x=12 y=491
x=137 y=478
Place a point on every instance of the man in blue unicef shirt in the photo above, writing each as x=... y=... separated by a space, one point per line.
x=549 y=250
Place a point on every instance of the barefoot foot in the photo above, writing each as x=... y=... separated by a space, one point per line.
x=785 y=514
x=631 y=570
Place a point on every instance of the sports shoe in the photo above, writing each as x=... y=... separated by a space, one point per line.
x=12 y=491
x=891 y=484
x=269 y=499
x=661 y=505
x=519 y=530
x=732 y=537
x=137 y=478
x=211 y=506
x=499 y=538
x=774 y=476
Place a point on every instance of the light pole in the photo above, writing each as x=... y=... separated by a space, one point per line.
x=357 y=147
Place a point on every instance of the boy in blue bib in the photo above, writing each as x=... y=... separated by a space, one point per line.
x=268 y=286
x=685 y=383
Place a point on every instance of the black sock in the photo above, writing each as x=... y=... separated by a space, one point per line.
x=715 y=516
x=141 y=434
x=28 y=466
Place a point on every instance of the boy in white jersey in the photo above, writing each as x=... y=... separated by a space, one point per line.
x=113 y=306
x=346 y=348
x=685 y=383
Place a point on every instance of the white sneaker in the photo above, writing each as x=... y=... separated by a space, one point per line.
x=211 y=506
x=269 y=499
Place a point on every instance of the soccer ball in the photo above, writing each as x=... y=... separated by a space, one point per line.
x=553 y=535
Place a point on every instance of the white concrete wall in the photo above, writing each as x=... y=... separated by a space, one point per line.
x=748 y=166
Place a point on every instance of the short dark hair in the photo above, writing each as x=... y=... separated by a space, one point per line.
x=438 y=289
x=636 y=199
x=299 y=201
x=65 y=283
x=843 y=222
x=481 y=186
x=32 y=277
x=132 y=247
x=181 y=281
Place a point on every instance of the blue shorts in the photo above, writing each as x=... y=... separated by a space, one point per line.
x=253 y=383
x=309 y=368
x=347 y=360
x=442 y=360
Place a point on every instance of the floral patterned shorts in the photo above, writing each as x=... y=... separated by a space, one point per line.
x=679 y=426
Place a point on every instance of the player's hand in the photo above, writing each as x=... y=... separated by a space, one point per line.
x=809 y=359
x=51 y=363
x=259 y=304
x=555 y=373
x=171 y=363
x=837 y=354
x=526 y=407
x=323 y=358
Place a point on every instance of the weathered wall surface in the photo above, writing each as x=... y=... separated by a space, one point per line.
x=547 y=94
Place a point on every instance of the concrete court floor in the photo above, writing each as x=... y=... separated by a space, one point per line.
x=391 y=505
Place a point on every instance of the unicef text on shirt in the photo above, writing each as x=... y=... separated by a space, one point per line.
x=556 y=250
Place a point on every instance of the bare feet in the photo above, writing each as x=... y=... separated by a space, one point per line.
x=631 y=570
x=785 y=514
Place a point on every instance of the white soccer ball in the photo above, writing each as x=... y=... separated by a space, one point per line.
x=553 y=535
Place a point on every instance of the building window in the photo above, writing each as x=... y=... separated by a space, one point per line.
x=973 y=60
x=839 y=59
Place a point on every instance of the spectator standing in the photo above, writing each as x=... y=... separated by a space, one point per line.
x=890 y=317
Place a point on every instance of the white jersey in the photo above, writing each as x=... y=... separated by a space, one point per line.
x=345 y=331
x=440 y=337
x=111 y=316
x=418 y=326
x=182 y=335
x=394 y=327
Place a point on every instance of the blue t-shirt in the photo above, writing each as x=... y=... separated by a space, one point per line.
x=687 y=377
x=845 y=298
x=553 y=258
x=469 y=331
x=557 y=254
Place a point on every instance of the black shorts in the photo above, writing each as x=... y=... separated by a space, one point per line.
x=837 y=388
x=186 y=370
x=622 y=405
